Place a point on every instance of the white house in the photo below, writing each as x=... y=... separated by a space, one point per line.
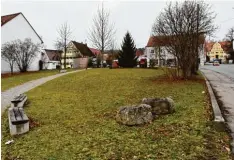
x=157 y=45
x=16 y=26
x=51 y=58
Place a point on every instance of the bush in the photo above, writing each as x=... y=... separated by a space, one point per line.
x=90 y=62
x=152 y=63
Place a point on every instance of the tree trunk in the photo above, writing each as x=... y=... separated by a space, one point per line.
x=11 y=66
x=65 y=55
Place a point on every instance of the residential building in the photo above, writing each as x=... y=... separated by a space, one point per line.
x=14 y=27
x=218 y=50
x=51 y=58
x=75 y=51
x=156 y=50
x=96 y=52
x=140 y=52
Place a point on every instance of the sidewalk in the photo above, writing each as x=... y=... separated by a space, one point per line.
x=8 y=95
x=224 y=88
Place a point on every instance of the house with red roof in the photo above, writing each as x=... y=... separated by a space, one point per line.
x=96 y=52
x=218 y=50
x=157 y=46
x=16 y=26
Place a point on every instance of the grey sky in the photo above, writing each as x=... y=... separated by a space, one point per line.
x=134 y=16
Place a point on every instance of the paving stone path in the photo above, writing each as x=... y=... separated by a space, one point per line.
x=12 y=92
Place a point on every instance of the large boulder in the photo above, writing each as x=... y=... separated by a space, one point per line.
x=160 y=105
x=134 y=115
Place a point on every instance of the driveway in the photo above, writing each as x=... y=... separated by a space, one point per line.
x=8 y=95
x=221 y=79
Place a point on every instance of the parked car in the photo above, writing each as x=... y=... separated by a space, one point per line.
x=216 y=63
x=143 y=63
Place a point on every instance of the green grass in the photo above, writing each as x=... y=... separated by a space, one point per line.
x=16 y=80
x=75 y=117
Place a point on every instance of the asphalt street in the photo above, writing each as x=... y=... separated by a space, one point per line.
x=221 y=79
x=226 y=69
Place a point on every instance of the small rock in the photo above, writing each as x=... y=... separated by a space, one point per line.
x=203 y=92
x=160 y=105
x=134 y=115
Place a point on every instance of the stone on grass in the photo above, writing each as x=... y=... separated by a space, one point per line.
x=160 y=105
x=134 y=115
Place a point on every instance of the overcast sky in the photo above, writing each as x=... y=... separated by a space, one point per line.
x=135 y=16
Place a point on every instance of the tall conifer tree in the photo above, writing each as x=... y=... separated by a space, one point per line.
x=127 y=56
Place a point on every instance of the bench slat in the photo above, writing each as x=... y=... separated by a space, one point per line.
x=18 y=116
x=19 y=98
x=12 y=115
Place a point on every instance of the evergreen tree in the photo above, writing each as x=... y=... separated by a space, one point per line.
x=127 y=56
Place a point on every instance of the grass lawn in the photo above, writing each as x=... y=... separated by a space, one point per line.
x=16 y=80
x=74 y=118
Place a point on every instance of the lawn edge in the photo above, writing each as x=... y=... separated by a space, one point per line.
x=215 y=107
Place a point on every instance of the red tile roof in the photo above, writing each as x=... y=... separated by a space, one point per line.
x=95 y=51
x=139 y=52
x=165 y=40
x=226 y=46
x=7 y=18
x=208 y=46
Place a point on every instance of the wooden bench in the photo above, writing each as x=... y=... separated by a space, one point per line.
x=19 y=101
x=63 y=71
x=18 y=121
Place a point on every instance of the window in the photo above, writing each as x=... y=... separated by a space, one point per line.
x=152 y=51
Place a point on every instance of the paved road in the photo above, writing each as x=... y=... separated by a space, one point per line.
x=11 y=93
x=226 y=69
x=221 y=79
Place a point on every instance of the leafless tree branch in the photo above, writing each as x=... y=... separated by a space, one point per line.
x=102 y=32
x=181 y=26
x=63 y=39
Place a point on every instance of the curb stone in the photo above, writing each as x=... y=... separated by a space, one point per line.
x=216 y=110
x=218 y=115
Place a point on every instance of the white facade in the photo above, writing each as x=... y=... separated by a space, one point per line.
x=19 y=28
x=47 y=63
x=202 y=55
x=150 y=53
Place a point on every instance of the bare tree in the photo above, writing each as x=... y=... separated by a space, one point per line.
x=8 y=54
x=230 y=34
x=25 y=53
x=112 y=49
x=102 y=31
x=64 y=37
x=182 y=27
x=230 y=37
